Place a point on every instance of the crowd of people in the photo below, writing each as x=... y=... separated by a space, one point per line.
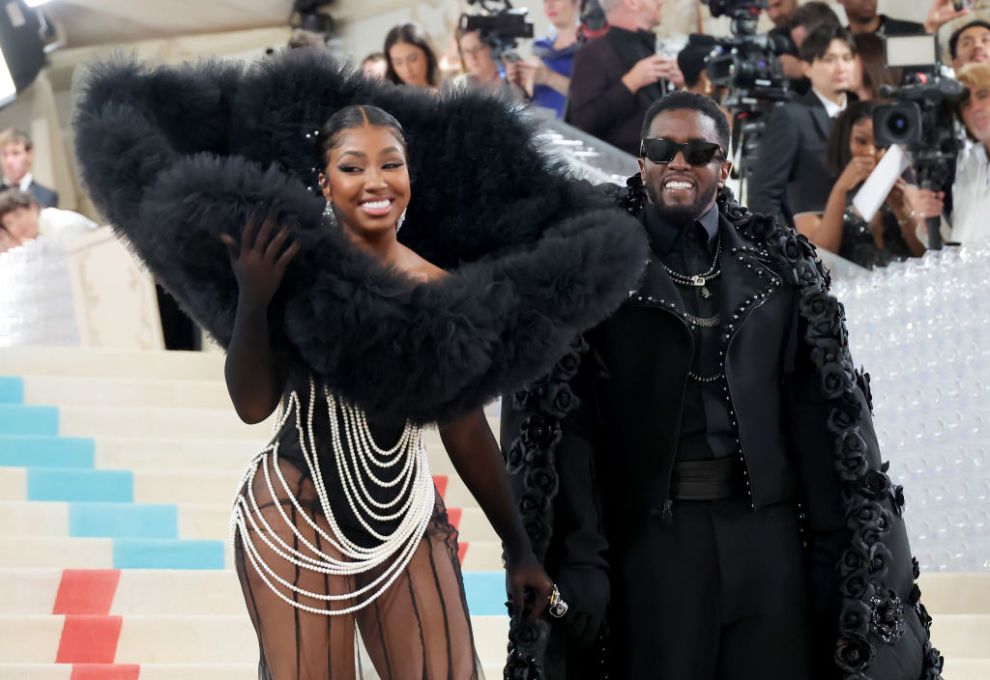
x=28 y=209
x=808 y=173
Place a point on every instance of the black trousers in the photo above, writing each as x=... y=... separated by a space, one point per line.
x=721 y=595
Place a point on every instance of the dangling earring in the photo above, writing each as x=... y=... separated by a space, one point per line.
x=402 y=219
x=329 y=218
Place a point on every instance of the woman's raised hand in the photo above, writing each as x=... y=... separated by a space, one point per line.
x=260 y=258
x=856 y=172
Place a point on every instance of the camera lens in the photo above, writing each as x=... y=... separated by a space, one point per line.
x=898 y=125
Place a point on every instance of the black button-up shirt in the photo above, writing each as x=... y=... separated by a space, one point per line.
x=706 y=426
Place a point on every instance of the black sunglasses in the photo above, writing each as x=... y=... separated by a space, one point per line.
x=696 y=151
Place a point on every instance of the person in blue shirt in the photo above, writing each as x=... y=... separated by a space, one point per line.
x=547 y=78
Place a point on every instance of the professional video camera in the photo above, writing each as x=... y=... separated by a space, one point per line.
x=921 y=120
x=500 y=27
x=746 y=67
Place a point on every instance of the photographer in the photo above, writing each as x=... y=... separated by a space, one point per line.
x=547 y=78
x=970 y=44
x=971 y=188
x=790 y=176
x=617 y=77
x=802 y=22
x=891 y=235
x=864 y=18
x=871 y=71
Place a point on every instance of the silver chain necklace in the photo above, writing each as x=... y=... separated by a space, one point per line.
x=697 y=378
x=699 y=280
x=702 y=321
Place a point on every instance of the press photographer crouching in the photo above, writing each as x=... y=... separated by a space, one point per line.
x=892 y=234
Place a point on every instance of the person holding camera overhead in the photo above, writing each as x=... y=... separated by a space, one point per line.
x=790 y=175
x=618 y=76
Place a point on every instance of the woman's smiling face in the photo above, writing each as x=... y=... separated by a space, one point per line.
x=367 y=179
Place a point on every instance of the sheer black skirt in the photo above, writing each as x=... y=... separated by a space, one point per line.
x=418 y=629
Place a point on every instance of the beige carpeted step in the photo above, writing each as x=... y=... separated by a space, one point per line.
x=967 y=669
x=956 y=593
x=962 y=636
x=185 y=639
x=492 y=671
x=109 y=363
x=52 y=390
x=179 y=671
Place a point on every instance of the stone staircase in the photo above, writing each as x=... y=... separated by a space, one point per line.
x=117 y=470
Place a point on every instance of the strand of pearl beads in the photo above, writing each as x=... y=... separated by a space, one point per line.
x=395 y=550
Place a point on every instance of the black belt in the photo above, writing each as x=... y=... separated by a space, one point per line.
x=707 y=480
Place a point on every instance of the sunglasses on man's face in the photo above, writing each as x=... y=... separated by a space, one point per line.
x=696 y=151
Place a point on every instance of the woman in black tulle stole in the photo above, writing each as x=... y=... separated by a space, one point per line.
x=358 y=337
x=353 y=534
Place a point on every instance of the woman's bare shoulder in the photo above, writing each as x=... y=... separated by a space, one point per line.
x=420 y=269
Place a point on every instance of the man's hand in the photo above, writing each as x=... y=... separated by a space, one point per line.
x=651 y=70
x=941 y=13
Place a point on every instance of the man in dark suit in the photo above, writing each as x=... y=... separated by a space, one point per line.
x=17 y=157
x=617 y=77
x=692 y=463
x=790 y=176
x=864 y=18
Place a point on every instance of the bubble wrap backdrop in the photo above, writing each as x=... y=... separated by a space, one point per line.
x=922 y=330
x=36 y=297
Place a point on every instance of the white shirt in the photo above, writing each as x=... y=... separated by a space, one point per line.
x=62 y=227
x=24 y=184
x=971 y=195
x=831 y=108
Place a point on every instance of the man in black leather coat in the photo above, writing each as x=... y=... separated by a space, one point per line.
x=701 y=472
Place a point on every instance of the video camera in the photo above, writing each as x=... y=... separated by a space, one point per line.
x=500 y=25
x=747 y=67
x=922 y=117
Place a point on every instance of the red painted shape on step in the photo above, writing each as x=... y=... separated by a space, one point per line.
x=454 y=515
x=89 y=639
x=462 y=552
x=86 y=591
x=105 y=671
x=440 y=481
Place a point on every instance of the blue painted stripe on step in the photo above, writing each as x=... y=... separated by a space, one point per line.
x=115 y=486
x=485 y=592
x=121 y=520
x=47 y=452
x=11 y=390
x=132 y=553
x=35 y=420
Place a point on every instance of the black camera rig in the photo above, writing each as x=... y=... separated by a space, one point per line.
x=746 y=67
x=500 y=24
x=921 y=120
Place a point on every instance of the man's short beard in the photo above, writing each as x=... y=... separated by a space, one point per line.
x=681 y=214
